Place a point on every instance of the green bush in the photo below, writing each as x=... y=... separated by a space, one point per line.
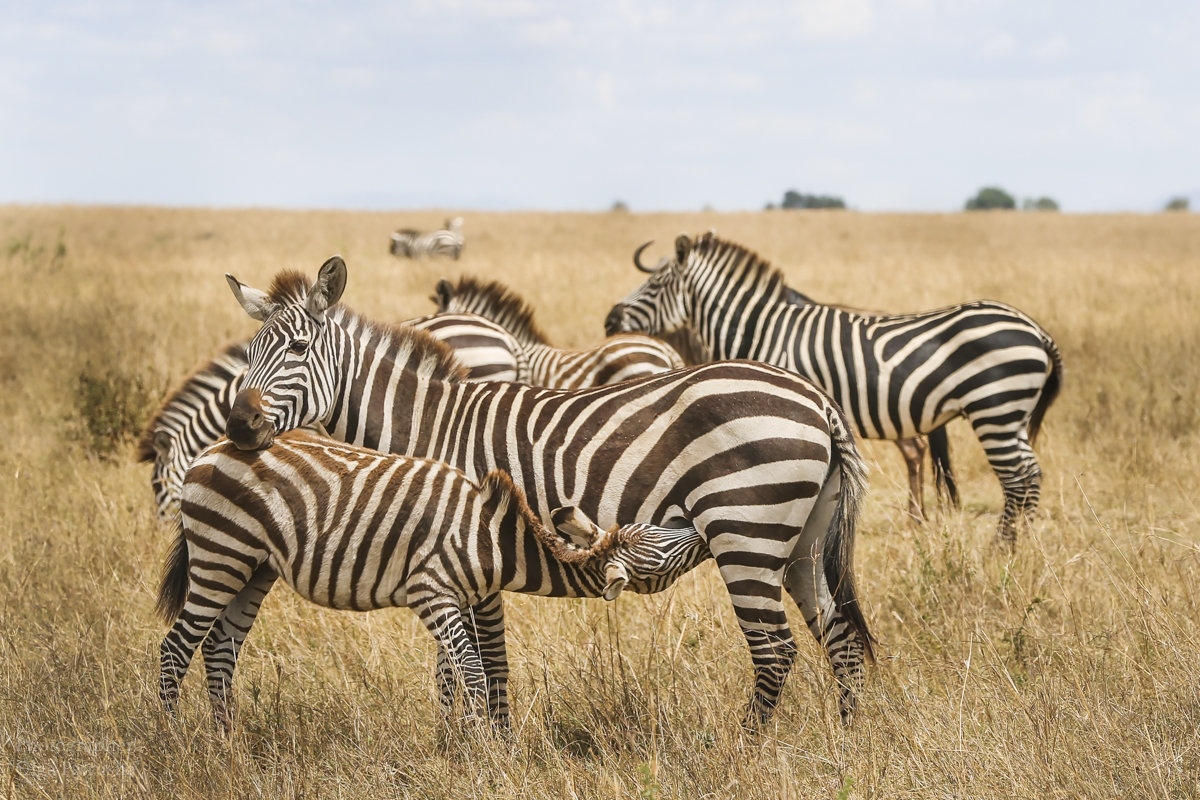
x=113 y=405
x=990 y=197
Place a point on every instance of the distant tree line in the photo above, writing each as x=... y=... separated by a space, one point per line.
x=993 y=197
x=793 y=199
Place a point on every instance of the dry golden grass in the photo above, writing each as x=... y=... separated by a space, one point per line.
x=1069 y=670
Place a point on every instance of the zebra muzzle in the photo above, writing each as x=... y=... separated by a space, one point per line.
x=248 y=426
x=615 y=319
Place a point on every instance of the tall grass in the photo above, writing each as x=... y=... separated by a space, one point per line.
x=1070 y=669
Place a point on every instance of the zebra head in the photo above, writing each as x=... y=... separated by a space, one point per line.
x=660 y=305
x=293 y=359
x=647 y=558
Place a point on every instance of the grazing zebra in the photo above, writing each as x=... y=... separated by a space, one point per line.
x=189 y=420
x=194 y=415
x=352 y=528
x=410 y=243
x=896 y=376
x=619 y=358
x=757 y=459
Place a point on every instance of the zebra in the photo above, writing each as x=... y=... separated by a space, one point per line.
x=352 y=528
x=691 y=348
x=757 y=459
x=194 y=415
x=411 y=243
x=896 y=376
x=618 y=358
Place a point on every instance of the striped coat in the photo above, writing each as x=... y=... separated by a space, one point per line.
x=356 y=529
x=756 y=459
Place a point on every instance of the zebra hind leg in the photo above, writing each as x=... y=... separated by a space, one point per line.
x=1015 y=464
x=484 y=624
x=224 y=643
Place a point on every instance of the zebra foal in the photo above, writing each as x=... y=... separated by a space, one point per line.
x=351 y=528
x=895 y=376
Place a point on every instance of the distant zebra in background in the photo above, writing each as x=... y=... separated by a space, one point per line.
x=895 y=376
x=758 y=460
x=619 y=358
x=411 y=243
x=356 y=529
x=194 y=415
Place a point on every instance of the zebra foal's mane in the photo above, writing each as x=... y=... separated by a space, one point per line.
x=495 y=301
x=419 y=351
x=145 y=445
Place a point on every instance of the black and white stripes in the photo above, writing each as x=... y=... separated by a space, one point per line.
x=895 y=376
x=410 y=243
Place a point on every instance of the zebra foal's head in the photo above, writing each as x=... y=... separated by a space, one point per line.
x=640 y=557
x=658 y=306
x=293 y=359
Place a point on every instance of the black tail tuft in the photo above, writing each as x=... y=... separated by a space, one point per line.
x=173 y=589
x=943 y=475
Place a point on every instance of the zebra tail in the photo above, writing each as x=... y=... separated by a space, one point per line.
x=943 y=475
x=173 y=588
x=839 y=548
x=1050 y=390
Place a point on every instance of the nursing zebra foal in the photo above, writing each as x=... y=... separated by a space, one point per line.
x=411 y=243
x=895 y=376
x=618 y=358
x=351 y=528
x=756 y=459
x=194 y=415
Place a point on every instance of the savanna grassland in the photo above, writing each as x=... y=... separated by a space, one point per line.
x=1069 y=669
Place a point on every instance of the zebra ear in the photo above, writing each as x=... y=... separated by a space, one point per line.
x=162 y=443
x=576 y=527
x=616 y=576
x=443 y=294
x=331 y=282
x=683 y=244
x=256 y=303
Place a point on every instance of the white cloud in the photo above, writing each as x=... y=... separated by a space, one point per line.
x=1052 y=49
x=836 y=19
x=999 y=46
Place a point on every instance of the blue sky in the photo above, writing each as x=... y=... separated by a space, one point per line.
x=524 y=104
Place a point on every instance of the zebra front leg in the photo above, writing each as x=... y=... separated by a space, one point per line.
x=224 y=643
x=484 y=624
x=913 y=450
x=444 y=619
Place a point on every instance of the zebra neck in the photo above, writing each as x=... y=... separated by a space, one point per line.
x=731 y=323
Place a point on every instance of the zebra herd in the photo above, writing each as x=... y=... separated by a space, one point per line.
x=438 y=462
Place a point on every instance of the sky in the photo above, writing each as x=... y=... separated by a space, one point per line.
x=893 y=105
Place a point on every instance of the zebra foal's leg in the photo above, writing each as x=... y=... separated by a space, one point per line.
x=484 y=624
x=913 y=450
x=444 y=619
x=224 y=643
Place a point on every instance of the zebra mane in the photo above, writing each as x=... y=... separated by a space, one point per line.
x=709 y=246
x=219 y=368
x=495 y=301
x=417 y=350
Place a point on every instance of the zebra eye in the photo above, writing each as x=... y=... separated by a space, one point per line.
x=298 y=346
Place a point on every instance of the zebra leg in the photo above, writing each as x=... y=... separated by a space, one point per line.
x=913 y=451
x=754 y=581
x=484 y=624
x=1015 y=464
x=805 y=581
x=207 y=598
x=224 y=642
x=444 y=619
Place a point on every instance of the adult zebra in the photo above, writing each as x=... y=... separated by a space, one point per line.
x=356 y=529
x=618 y=358
x=411 y=243
x=895 y=376
x=757 y=459
x=194 y=415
